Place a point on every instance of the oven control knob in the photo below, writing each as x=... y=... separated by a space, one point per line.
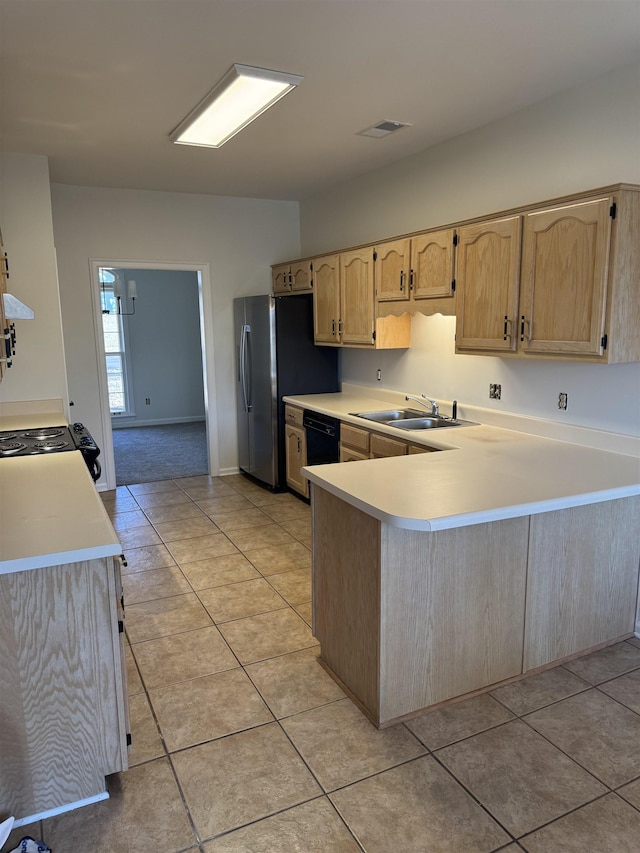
x=78 y=427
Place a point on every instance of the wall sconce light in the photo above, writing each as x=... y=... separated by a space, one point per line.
x=130 y=297
x=242 y=95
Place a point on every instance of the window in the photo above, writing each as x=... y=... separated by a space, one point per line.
x=114 y=346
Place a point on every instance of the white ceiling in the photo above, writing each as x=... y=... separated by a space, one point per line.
x=97 y=85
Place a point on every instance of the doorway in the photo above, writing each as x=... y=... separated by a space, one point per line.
x=154 y=342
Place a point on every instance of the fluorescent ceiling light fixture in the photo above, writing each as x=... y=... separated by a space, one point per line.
x=243 y=94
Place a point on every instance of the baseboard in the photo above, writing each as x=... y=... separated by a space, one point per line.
x=121 y=424
x=226 y=472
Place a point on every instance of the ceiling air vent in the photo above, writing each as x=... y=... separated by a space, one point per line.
x=383 y=128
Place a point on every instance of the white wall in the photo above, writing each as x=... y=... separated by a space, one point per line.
x=578 y=140
x=164 y=348
x=38 y=371
x=238 y=238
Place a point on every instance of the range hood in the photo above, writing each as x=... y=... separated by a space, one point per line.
x=16 y=310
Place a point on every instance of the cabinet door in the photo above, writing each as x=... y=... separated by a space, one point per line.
x=357 y=300
x=432 y=257
x=564 y=278
x=348 y=454
x=392 y=270
x=281 y=278
x=326 y=300
x=300 y=277
x=487 y=289
x=4 y=325
x=383 y=446
x=296 y=458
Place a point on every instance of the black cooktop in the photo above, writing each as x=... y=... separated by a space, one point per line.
x=27 y=442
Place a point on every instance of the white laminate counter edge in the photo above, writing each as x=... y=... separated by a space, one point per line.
x=494 y=473
x=364 y=398
x=51 y=513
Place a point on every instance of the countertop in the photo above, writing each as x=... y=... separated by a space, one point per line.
x=484 y=473
x=50 y=511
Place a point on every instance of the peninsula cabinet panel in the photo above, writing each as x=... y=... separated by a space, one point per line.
x=564 y=278
x=452 y=612
x=583 y=579
x=488 y=277
x=326 y=300
x=346 y=595
x=407 y=619
x=63 y=710
x=357 y=300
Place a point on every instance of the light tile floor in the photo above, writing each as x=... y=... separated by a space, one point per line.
x=241 y=741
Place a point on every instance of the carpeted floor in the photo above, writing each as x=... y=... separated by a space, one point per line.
x=146 y=454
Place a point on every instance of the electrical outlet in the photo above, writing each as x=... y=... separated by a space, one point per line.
x=563 y=399
x=495 y=392
x=147 y=401
x=378 y=375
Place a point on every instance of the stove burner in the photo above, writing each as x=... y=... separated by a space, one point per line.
x=44 y=432
x=8 y=447
x=7 y=436
x=51 y=444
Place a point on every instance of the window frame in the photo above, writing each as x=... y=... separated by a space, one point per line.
x=107 y=288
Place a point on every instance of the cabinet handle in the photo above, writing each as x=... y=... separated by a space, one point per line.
x=339 y=327
x=410 y=279
x=401 y=280
x=524 y=321
x=298 y=437
x=333 y=328
x=507 y=323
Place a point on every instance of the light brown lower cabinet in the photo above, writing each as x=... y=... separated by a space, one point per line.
x=410 y=619
x=295 y=438
x=357 y=443
x=63 y=713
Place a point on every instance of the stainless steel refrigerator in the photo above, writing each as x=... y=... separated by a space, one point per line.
x=275 y=356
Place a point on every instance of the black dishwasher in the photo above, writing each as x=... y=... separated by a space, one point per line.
x=323 y=437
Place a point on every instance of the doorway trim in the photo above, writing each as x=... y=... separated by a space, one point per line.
x=205 y=300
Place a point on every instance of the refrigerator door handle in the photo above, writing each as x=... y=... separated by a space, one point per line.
x=244 y=379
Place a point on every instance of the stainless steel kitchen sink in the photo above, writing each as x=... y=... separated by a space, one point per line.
x=388 y=416
x=410 y=419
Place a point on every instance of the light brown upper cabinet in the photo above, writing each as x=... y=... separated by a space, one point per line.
x=487 y=285
x=344 y=304
x=326 y=300
x=432 y=264
x=575 y=293
x=292 y=278
x=356 y=297
x=392 y=270
x=5 y=331
x=420 y=267
x=564 y=278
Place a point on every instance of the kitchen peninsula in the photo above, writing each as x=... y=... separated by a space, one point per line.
x=63 y=715
x=440 y=574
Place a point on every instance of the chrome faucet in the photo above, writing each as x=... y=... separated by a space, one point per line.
x=434 y=405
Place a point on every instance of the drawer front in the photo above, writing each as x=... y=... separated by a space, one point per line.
x=354 y=437
x=293 y=415
x=421 y=448
x=382 y=445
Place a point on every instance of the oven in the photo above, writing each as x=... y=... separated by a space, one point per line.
x=323 y=437
x=56 y=439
